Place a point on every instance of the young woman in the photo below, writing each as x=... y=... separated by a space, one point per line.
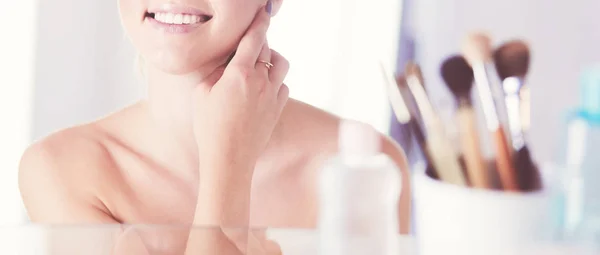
x=215 y=143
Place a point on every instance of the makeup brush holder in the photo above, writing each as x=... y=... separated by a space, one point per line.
x=452 y=219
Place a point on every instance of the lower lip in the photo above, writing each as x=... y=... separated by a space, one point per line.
x=173 y=28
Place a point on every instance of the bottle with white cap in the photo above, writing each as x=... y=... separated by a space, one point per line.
x=359 y=194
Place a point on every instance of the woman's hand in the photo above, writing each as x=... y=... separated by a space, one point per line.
x=234 y=118
x=233 y=122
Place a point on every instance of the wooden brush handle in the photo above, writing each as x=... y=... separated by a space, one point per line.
x=469 y=137
x=504 y=162
x=443 y=155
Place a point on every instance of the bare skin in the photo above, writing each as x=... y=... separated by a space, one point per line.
x=107 y=164
x=237 y=153
x=105 y=172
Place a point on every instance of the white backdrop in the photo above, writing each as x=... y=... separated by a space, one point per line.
x=17 y=62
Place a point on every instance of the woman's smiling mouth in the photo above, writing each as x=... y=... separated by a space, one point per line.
x=169 y=18
x=176 y=19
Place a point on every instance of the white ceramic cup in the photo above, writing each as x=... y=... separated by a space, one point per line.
x=451 y=219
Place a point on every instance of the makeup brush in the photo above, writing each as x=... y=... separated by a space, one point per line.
x=415 y=116
x=399 y=106
x=443 y=155
x=399 y=99
x=416 y=125
x=512 y=63
x=458 y=76
x=477 y=51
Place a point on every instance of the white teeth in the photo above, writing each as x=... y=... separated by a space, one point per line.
x=170 y=17
x=187 y=19
x=177 y=19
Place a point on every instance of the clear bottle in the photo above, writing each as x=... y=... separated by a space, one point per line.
x=359 y=194
x=581 y=165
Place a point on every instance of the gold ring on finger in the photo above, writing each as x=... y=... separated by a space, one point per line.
x=267 y=64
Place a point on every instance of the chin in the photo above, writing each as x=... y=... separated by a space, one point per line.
x=179 y=65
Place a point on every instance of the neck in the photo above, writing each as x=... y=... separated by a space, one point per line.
x=170 y=106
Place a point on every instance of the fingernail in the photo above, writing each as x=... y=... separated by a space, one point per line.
x=269 y=6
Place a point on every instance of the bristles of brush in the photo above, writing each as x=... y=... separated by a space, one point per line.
x=458 y=76
x=512 y=59
x=477 y=48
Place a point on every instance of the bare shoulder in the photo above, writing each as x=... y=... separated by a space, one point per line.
x=57 y=176
x=306 y=125
x=319 y=129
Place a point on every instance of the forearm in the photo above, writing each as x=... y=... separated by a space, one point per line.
x=222 y=209
x=224 y=199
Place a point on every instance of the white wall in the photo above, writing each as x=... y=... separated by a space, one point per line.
x=334 y=47
x=87 y=72
x=62 y=62
x=16 y=81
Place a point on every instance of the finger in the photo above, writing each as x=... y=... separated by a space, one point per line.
x=282 y=96
x=265 y=55
x=212 y=241
x=255 y=246
x=209 y=81
x=238 y=237
x=280 y=68
x=252 y=42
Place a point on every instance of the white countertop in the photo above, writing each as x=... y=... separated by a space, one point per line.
x=305 y=242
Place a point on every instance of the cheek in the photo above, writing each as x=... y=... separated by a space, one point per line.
x=233 y=19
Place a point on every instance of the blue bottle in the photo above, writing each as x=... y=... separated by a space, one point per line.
x=580 y=198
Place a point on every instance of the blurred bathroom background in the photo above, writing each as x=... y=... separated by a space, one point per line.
x=64 y=62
